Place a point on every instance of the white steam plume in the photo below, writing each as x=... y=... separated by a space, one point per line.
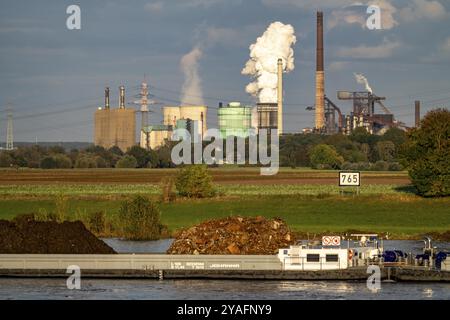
x=275 y=43
x=360 y=78
x=191 y=92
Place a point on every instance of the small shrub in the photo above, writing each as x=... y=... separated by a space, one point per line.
x=325 y=156
x=140 y=219
x=395 y=166
x=61 y=207
x=97 y=222
x=363 y=166
x=167 y=190
x=195 y=182
x=347 y=166
x=127 y=161
x=62 y=161
x=41 y=215
x=85 y=161
x=380 y=166
x=48 y=163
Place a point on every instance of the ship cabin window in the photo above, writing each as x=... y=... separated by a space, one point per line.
x=285 y=252
x=312 y=258
x=332 y=258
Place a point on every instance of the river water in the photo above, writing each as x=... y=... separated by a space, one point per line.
x=11 y=288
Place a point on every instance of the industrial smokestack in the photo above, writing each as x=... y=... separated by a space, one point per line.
x=107 y=98
x=280 y=96
x=320 y=76
x=417 y=117
x=122 y=97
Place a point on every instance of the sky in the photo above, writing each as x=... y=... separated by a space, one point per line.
x=54 y=78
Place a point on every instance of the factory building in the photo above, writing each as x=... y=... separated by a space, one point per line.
x=171 y=114
x=155 y=136
x=234 y=120
x=191 y=118
x=196 y=114
x=115 y=127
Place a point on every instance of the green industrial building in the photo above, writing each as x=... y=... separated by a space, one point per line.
x=234 y=120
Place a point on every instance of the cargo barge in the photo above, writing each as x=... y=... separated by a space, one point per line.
x=301 y=262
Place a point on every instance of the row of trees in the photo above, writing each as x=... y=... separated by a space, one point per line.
x=360 y=150
x=57 y=157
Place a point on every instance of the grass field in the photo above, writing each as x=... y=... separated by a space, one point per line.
x=309 y=201
x=388 y=213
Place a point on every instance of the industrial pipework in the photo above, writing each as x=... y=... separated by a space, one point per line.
x=122 y=97
x=107 y=98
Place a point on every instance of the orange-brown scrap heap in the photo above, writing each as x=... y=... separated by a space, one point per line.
x=234 y=235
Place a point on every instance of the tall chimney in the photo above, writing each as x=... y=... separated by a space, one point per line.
x=280 y=97
x=320 y=76
x=107 y=98
x=417 y=118
x=122 y=97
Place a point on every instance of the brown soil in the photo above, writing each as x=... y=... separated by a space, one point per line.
x=234 y=235
x=134 y=176
x=35 y=237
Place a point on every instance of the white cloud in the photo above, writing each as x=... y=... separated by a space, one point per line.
x=385 y=50
x=154 y=6
x=309 y=4
x=343 y=17
x=345 y=11
x=387 y=14
x=356 y=14
x=423 y=9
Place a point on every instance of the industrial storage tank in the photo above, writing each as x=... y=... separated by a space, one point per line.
x=234 y=120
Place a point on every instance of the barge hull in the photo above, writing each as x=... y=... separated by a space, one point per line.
x=195 y=267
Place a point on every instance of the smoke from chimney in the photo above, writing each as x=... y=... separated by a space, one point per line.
x=275 y=43
x=191 y=92
x=361 y=79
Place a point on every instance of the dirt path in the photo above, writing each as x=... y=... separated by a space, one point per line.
x=137 y=176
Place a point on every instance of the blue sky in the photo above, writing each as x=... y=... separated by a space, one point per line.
x=54 y=78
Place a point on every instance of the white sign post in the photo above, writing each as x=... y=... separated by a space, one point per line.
x=350 y=179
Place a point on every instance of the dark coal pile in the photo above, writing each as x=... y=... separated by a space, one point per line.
x=234 y=235
x=36 y=237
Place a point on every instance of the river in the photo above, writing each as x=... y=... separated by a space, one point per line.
x=11 y=288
